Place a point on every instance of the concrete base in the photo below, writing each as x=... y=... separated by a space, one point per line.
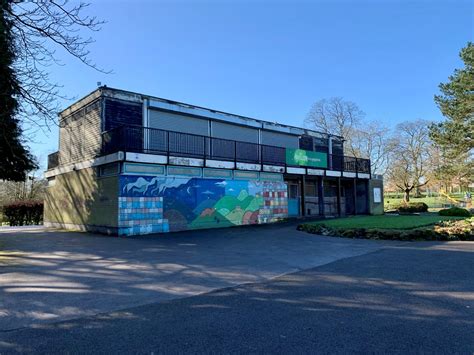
x=83 y=228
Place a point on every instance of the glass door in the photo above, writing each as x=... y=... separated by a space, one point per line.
x=294 y=198
x=311 y=198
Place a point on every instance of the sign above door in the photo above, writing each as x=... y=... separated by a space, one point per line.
x=302 y=157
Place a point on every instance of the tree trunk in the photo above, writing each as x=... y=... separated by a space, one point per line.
x=406 y=196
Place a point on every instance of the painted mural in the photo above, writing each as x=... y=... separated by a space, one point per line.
x=159 y=204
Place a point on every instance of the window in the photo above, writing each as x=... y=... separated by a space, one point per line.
x=293 y=190
x=108 y=169
x=337 y=147
x=51 y=181
x=306 y=142
x=321 y=144
x=311 y=189
x=330 y=188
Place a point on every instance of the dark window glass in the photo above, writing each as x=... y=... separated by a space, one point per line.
x=306 y=143
x=330 y=189
x=337 y=147
x=293 y=191
x=311 y=190
x=321 y=144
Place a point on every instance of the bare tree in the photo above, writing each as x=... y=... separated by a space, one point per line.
x=374 y=142
x=368 y=140
x=32 y=188
x=39 y=28
x=334 y=116
x=410 y=163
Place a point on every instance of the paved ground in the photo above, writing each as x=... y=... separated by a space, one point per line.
x=53 y=276
x=410 y=298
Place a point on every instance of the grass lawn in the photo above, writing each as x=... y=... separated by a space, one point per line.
x=385 y=221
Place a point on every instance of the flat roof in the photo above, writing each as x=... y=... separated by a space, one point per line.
x=157 y=102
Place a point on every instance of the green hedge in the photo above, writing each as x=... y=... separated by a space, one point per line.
x=413 y=207
x=21 y=213
x=455 y=211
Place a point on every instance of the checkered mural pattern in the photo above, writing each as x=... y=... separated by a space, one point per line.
x=275 y=203
x=141 y=215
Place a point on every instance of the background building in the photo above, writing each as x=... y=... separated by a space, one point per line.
x=133 y=164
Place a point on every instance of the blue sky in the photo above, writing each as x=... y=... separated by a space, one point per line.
x=272 y=59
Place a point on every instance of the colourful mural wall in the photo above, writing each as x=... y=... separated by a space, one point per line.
x=149 y=204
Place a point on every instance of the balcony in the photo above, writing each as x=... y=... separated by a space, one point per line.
x=138 y=139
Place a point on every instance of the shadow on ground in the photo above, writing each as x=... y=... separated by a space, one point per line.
x=408 y=298
x=53 y=276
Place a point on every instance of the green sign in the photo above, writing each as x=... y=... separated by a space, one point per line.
x=306 y=158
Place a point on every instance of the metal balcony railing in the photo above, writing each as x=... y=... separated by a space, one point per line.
x=155 y=141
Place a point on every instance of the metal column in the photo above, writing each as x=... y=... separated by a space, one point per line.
x=321 y=195
x=355 y=197
x=303 y=202
x=339 y=196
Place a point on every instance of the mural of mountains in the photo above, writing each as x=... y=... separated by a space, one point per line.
x=190 y=203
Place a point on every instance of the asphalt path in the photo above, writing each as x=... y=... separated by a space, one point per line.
x=49 y=276
x=410 y=298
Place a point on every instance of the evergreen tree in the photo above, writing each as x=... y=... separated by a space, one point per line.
x=456 y=102
x=15 y=159
x=30 y=33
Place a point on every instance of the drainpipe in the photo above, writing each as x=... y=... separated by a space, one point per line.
x=321 y=195
x=355 y=196
x=145 y=123
x=208 y=149
x=330 y=152
x=339 y=210
x=303 y=193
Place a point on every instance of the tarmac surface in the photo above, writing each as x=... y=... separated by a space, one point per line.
x=337 y=296
x=49 y=276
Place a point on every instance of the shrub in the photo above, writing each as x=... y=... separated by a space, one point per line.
x=413 y=207
x=442 y=231
x=315 y=229
x=455 y=211
x=21 y=213
x=457 y=229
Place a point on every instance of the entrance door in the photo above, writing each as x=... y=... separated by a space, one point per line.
x=330 y=197
x=311 y=198
x=362 y=197
x=294 y=198
x=348 y=187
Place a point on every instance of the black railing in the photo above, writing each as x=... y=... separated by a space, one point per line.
x=155 y=141
x=273 y=155
x=221 y=148
x=53 y=160
x=363 y=165
x=350 y=164
x=247 y=152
